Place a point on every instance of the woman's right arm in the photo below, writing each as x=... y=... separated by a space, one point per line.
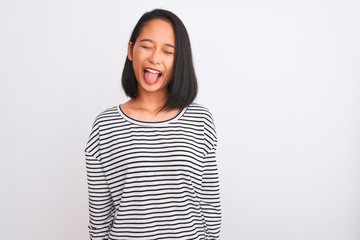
x=101 y=207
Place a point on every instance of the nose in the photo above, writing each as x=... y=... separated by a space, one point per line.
x=155 y=57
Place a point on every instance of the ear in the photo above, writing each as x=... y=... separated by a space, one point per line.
x=129 y=53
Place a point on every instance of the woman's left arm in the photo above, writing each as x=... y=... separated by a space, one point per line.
x=210 y=196
x=210 y=189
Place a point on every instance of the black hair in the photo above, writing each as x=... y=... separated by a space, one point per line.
x=183 y=87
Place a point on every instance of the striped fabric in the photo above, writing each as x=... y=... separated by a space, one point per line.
x=153 y=180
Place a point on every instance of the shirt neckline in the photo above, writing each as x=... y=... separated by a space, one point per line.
x=145 y=123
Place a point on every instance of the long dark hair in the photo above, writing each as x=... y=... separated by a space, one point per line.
x=183 y=86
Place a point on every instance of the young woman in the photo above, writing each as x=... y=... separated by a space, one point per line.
x=151 y=161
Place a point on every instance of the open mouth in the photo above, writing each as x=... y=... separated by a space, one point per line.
x=152 y=75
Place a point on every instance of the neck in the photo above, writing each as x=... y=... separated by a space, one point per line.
x=151 y=102
x=149 y=107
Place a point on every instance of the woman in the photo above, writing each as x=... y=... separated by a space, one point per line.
x=151 y=162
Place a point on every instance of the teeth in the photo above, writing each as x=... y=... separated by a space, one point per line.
x=152 y=71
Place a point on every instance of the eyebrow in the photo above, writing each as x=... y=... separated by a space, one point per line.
x=149 y=40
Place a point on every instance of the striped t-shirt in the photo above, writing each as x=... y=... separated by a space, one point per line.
x=153 y=180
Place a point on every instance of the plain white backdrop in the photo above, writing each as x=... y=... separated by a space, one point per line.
x=282 y=79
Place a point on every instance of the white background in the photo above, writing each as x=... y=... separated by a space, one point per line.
x=282 y=79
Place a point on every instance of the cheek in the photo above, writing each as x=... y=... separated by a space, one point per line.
x=138 y=54
x=170 y=64
x=137 y=68
x=137 y=60
x=135 y=65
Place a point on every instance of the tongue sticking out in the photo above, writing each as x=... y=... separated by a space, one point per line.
x=150 y=78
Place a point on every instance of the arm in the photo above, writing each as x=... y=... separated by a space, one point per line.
x=210 y=197
x=210 y=193
x=101 y=208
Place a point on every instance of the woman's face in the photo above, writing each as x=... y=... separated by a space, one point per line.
x=152 y=56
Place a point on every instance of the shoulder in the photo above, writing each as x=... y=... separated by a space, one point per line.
x=199 y=110
x=106 y=115
x=199 y=113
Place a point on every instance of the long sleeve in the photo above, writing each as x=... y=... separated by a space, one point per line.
x=101 y=208
x=210 y=193
x=210 y=197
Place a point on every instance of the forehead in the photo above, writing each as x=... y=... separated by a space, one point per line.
x=158 y=30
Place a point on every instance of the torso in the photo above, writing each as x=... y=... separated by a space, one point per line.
x=154 y=174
